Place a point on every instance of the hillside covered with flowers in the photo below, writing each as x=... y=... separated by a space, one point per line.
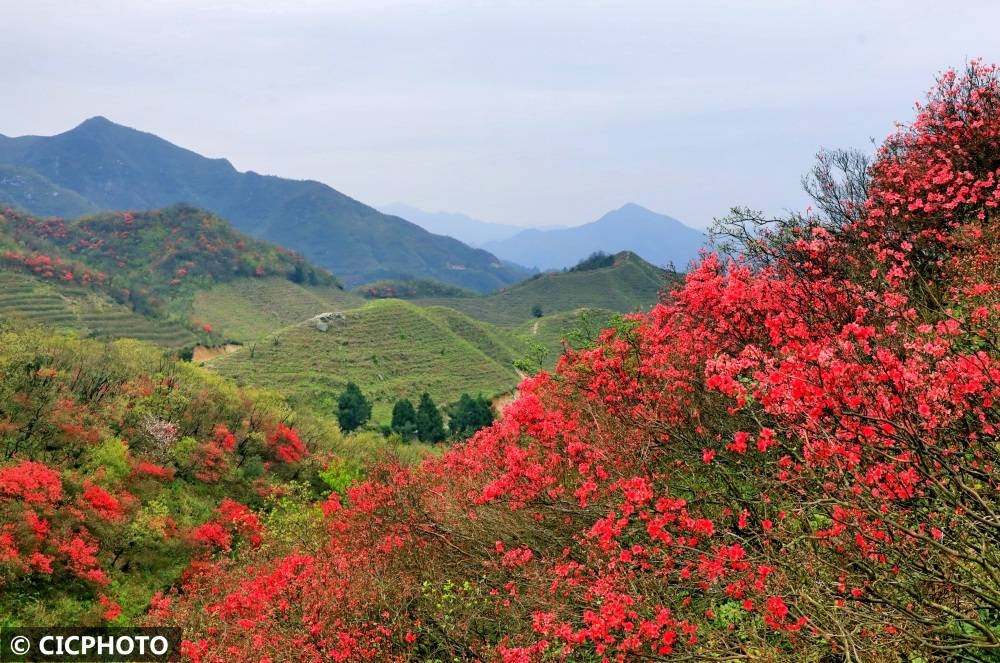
x=793 y=456
x=146 y=259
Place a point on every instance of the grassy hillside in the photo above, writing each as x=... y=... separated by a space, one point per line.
x=115 y=167
x=392 y=348
x=247 y=309
x=550 y=332
x=629 y=284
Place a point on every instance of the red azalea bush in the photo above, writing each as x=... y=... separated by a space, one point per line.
x=793 y=455
x=119 y=466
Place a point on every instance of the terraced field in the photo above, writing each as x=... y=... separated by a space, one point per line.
x=247 y=309
x=83 y=311
x=392 y=348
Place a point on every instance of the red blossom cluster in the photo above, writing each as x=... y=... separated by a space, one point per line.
x=792 y=456
x=286 y=444
x=106 y=455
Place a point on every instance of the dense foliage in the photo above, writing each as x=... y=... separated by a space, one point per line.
x=121 y=471
x=410 y=289
x=596 y=260
x=789 y=458
x=145 y=259
x=468 y=414
x=430 y=423
x=404 y=419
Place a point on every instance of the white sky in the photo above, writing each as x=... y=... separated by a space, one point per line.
x=530 y=113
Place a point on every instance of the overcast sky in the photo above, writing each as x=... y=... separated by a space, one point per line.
x=530 y=113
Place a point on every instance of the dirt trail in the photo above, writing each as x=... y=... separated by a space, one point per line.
x=204 y=353
x=502 y=401
x=534 y=328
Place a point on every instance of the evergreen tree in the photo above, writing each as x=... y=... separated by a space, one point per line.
x=430 y=424
x=353 y=409
x=404 y=419
x=468 y=415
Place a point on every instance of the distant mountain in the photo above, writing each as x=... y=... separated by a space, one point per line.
x=112 y=167
x=469 y=230
x=659 y=239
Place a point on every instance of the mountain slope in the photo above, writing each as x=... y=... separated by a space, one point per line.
x=460 y=226
x=24 y=188
x=657 y=238
x=250 y=308
x=83 y=311
x=391 y=348
x=139 y=274
x=630 y=283
x=115 y=167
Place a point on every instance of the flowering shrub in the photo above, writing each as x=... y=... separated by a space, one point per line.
x=792 y=456
x=112 y=455
x=286 y=444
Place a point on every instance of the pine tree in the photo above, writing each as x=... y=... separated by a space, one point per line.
x=430 y=424
x=468 y=415
x=404 y=419
x=353 y=409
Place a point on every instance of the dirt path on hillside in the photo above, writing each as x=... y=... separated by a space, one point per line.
x=204 y=353
x=534 y=328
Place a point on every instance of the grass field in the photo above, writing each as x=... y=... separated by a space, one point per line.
x=392 y=348
x=575 y=327
x=87 y=312
x=248 y=309
x=630 y=284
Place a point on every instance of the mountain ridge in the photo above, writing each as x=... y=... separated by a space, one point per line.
x=117 y=167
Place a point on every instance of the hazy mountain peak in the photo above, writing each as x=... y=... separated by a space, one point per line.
x=96 y=121
x=455 y=224
x=657 y=238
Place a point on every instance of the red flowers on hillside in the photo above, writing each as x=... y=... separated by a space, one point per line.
x=792 y=456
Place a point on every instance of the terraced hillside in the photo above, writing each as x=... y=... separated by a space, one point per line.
x=392 y=348
x=139 y=274
x=85 y=312
x=248 y=309
x=630 y=283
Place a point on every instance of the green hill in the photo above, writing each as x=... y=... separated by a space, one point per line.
x=115 y=167
x=630 y=283
x=392 y=348
x=250 y=308
x=139 y=274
